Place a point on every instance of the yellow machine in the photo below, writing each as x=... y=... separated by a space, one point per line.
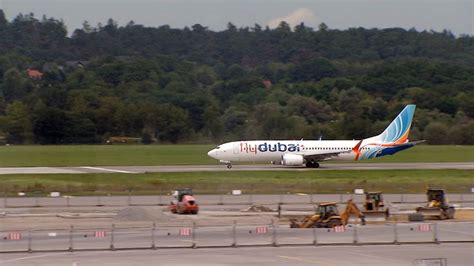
x=437 y=207
x=374 y=207
x=328 y=216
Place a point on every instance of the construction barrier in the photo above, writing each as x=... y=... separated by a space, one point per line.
x=185 y=232
x=424 y=227
x=234 y=235
x=14 y=236
x=99 y=234
x=261 y=230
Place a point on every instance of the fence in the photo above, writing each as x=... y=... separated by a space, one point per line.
x=234 y=235
x=133 y=200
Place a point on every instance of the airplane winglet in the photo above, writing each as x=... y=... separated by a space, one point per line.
x=357 y=147
x=356 y=150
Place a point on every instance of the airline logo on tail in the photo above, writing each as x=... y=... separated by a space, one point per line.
x=397 y=132
x=393 y=139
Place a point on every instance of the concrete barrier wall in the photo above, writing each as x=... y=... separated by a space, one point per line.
x=194 y=236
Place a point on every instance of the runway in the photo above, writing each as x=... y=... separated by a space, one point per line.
x=217 y=168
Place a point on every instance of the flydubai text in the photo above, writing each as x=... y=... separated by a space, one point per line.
x=265 y=147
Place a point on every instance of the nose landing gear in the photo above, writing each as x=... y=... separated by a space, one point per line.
x=227 y=163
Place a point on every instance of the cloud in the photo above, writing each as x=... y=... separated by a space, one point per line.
x=296 y=17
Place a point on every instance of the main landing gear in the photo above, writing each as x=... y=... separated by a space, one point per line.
x=312 y=164
x=229 y=166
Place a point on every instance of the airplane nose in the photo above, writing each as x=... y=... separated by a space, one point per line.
x=212 y=153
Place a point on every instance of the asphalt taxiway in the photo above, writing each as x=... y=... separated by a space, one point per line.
x=216 y=168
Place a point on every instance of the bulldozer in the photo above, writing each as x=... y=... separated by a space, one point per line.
x=436 y=207
x=374 y=207
x=183 y=202
x=328 y=216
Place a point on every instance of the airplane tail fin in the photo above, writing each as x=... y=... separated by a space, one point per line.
x=397 y=132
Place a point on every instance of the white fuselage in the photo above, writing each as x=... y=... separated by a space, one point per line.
x=273 y=150
x=298 y=152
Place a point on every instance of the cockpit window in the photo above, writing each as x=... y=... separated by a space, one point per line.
x=218 y=147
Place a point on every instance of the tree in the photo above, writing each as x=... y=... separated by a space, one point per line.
x=196 y=84
x=302 y=28
x=79 y=129
x=284 y=27
x=17 y=123
x=462 y=134
x=3 y=20
x=14 y=85
x=323 y=27
x=435 y=133
x=231 y=28
x=173 y=124
x=314 y=70
x=50 y=126
x=86 y=27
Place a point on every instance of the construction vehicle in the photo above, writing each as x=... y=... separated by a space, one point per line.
x=328 y=216
x=184 y=202
x=436 y=207
x=374 y=207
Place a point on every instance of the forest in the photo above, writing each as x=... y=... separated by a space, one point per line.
x=196 y=85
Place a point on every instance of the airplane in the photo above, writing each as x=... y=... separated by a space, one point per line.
x=310 y=152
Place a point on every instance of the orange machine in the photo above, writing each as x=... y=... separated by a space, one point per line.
x=184 y=202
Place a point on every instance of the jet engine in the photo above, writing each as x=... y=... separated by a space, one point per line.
x=292 y=159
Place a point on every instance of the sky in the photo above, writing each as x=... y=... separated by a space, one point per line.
x=454 y=15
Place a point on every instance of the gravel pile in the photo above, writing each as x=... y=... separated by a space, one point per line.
x=258 y=208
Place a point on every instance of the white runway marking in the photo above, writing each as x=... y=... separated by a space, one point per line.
x=37 y=170
x=108 y=170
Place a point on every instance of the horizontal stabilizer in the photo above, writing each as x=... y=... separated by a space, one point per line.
x=411 y=144
x=394 y=148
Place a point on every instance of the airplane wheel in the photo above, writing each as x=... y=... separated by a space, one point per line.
x=229 y=166
x=316 y=165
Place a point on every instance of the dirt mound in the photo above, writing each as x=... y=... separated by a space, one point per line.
x=134 y=214
x=258 y=208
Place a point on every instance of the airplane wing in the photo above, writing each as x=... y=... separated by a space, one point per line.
x=323 y=156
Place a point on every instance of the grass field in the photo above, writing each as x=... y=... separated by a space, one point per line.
x=111 y=155
x=389 y=181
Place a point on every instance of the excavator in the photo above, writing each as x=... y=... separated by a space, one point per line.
x=328 y=216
